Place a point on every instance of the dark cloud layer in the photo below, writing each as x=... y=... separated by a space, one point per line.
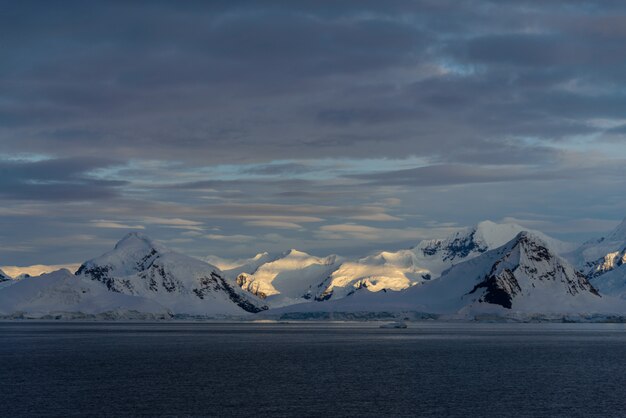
x=64 y=179
x=292 y=79
x=198 y=109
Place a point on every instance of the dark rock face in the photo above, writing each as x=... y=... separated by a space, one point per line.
x=99 y=274
x=459 y=247
x=462 y=247
x=432 y=249
x=237 y=298
x=499 y=289
x=244 y=282
x=327 y=294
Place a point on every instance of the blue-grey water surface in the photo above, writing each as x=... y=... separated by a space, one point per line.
x=326 y=370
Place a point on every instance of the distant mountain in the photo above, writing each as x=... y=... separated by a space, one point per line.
x=488 y=269
x=62 y=295
x=383 y=271
x=141 y=267
x=522 y=276
x=293 y=277
x=438 y=255
x=37 y=269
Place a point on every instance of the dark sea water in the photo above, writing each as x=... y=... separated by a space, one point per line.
x=301 y=370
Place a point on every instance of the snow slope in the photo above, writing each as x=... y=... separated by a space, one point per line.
x=522 y=276
x=236 y=267
x=61 y=294
x=5 y=280
x=291 y=278
x=612 y=283
x=141 y=267
x=599 y=256
x=383 y=271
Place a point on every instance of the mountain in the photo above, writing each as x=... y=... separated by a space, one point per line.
x=37 y=269
x=599 y=256
x=426 y=261
x=139 y=266
x=383 y=271
x=439 y=254
x=294 y=276
x=62 y=295
x=522 y=276
x=291 y=278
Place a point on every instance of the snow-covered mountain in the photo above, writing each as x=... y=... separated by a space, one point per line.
x=522 y=276
x=598 y=256
x=37 y=269
x=383 y=271
x=486 y=269
x=141 y=267
x=293 y=277
x=426 y=261
x=63 y=295
x=438 y=255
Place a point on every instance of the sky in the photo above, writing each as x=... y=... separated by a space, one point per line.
x=234 y=127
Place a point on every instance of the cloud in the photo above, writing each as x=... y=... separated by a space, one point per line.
x=101 y=223
x=177 y=223
x=454 y=174
x=351 y=232
x=65 y=179
x=379 y=217
x=274 y=224
x=220 y=117
x=231 y=238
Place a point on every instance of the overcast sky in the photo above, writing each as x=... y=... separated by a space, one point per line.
x=235 y=127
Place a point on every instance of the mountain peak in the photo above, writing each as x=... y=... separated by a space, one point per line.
x=526 y=237
x=495 y=234
x=136 y=240
x=523 y=267
x=296 y=253
x=138 y=266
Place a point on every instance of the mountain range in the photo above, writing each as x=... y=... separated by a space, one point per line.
x=491 y=269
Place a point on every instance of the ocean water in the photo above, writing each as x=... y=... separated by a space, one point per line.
x=312 y=370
